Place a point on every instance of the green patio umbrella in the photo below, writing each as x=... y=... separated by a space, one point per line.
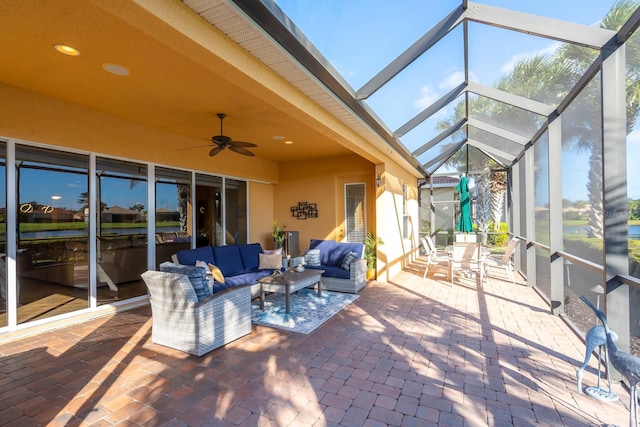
x=464 y=222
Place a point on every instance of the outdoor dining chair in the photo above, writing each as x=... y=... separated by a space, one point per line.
x=504 y=261
x=467 y=257
x=434 y=258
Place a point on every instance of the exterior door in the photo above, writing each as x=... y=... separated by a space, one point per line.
x=352 y=211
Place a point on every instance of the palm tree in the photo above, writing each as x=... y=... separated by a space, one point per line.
x=548 y=79
x=498 y=188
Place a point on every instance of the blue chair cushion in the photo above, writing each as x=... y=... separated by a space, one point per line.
x=332 y=252
x=190 y=256
x=247 y=278
x=342 y=249
x=197 y=276
x=332 y=271
x=250 y=255
x=229 y=260
x=326 y=248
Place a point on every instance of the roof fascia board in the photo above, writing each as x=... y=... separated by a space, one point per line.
x=424 y=43
x=440 y=137
x=510 y=99
x=430 y=110
x=556 y=29
x=497 y=131
x=265 y=14
x=485 y=148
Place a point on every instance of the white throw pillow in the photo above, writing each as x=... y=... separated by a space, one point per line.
x=270 y=262
x=312 y=257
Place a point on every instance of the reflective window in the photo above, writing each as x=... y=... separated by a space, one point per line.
x=209 y=229
x=52 y=265
x=235 y=207
x=122 y=229
x=173 y=213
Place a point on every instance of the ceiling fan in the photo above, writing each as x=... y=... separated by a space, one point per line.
x=222 y=141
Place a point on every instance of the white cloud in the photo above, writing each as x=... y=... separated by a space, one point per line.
x=427 y=97
x=455 y=78
x=508 y=66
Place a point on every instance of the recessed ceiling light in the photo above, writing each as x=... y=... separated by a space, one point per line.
x=288 y=142
x=116 y=69
x=278 y=137
x=67 y=50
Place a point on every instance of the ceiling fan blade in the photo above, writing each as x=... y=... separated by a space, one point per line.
x=216 y=150
x=241 y=150
x=243 y=144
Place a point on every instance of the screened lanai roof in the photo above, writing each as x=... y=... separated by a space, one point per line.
x=433 y=79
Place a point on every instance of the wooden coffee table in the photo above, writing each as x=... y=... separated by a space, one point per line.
x=291 y=281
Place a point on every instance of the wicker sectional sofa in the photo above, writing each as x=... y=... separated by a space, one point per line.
x=182 y=322
x=239 y=264
x=337 y=277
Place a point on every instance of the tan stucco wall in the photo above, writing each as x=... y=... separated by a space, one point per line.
x=320 y=182
x=396 y=252
x=260 y=213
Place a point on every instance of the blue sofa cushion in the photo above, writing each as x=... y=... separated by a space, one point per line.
x=190 y=256
x=332 y=271
x=247 y=278
x=229 y=260
x=197 y=276
x=250 y=255
x=326 y=248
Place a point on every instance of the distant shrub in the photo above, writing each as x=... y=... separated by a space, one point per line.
x=498 y=239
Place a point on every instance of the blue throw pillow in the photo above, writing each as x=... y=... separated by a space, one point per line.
x=197 y=276
x=348 y=258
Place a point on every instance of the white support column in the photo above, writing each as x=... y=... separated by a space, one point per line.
x=614 y=186
x=556 y=273
x=527 y=176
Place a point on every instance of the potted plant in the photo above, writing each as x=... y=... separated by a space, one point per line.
x=370 y=244
x=278 y=234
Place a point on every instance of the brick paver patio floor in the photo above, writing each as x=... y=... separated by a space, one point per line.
x=410 y=351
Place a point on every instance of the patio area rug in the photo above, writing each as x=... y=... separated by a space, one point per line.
x=308 y=311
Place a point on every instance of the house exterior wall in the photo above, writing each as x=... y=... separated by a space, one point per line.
x=32 y=118
x=322 y=182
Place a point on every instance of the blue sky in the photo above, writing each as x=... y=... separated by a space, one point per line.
x=360 y=37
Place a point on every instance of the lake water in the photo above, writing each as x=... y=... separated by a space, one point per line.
x=82 y=233
x=634 y=230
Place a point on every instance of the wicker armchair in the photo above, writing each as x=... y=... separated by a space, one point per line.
x=182 y=322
